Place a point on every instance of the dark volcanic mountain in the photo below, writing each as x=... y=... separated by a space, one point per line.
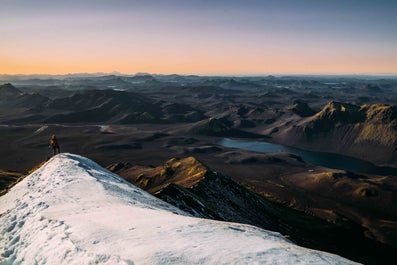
x=120 y=107
x=9 y=91
x=12 y=97
x=104 y=106
x=93 y=106
x=16 y=105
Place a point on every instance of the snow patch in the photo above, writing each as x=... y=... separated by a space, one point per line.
x=105 y=129
x=41 y=129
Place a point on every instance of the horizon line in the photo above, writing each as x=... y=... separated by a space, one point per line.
x=200 y=74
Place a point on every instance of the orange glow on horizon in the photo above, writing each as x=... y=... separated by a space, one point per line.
x=211 y=38
x=201 y=66
x=200 y=59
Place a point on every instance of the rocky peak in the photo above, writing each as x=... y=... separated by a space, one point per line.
x=380 y=113
x=185 y=172
x=340 y=113
x=8 y=89
x=335 y=108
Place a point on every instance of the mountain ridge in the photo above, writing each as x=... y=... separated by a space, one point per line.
x=193 y=187
x=72 y=211
x=367 y=131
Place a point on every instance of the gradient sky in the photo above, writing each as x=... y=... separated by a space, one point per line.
x=199 y=37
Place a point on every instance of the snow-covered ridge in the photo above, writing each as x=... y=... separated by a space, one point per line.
x=72 y=211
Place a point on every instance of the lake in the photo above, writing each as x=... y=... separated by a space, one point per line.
x=315 y=158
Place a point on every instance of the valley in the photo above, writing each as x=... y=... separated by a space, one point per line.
x=163 y=133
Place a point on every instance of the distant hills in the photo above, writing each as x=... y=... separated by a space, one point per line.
x=11 y=97
x=93 y=106
x=348 y=115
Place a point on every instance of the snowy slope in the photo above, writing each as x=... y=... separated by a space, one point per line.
x=72 y=211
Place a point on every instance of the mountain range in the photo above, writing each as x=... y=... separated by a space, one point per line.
x=167 y=133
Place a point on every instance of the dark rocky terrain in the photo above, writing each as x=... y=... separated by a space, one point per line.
x=8 y=179
x=137 y=123
x=195 y=188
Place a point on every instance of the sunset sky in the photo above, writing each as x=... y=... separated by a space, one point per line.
x=199 y=37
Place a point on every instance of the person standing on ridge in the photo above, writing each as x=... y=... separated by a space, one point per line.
x=54 y=144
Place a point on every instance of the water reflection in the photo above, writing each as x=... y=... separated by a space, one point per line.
x=315 y=158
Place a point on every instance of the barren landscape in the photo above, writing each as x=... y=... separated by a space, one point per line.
x=166 y=134
x=258 y=121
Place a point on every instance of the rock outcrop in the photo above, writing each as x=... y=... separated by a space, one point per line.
x=368 y=131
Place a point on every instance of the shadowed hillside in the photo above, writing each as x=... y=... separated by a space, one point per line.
x=368 y=131
x=194 y=188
